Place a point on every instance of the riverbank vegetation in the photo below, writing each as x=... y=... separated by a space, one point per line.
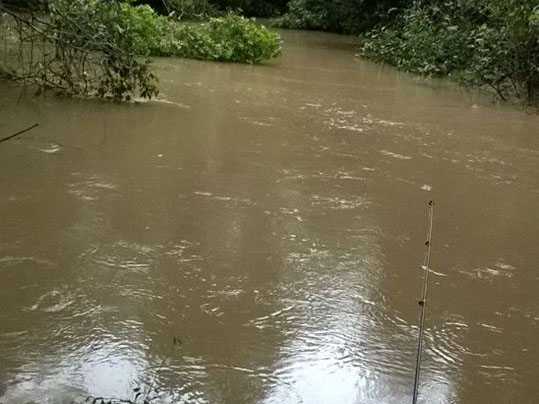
x=343 y=16
x=492 y=44
x=103 y=48
x=193 y=9
x=230 y=38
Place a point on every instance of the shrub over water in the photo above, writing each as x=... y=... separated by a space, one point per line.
x=198 y=9
x=348 y=16
x=230 y=38
x=189 y=10
x=101 y=47
x=488 y=43
x=79 y=47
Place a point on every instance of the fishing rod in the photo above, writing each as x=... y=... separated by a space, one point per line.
x=423 y=302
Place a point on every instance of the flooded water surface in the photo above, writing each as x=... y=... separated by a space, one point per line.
x=256 y=235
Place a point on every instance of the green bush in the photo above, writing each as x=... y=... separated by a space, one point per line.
x=346 y=16
x=199 y=9
x=102 y=47
x=301 y=16
x=230 y=38
x=79 y=47
x=493 y=44
x=257 y=8
x=118 y=23
x=143 y=32
x=534 y=17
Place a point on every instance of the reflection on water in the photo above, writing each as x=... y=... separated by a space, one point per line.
x=271 y=218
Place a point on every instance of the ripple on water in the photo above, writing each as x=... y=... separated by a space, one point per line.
x=229 y=201
x=12 y=261
x=395 y=155
x=53 y=148
x=122 y=254
x=339 y=203
x=340 y=339
x=90 y=187
x=330 y=176
x=499 y=270
x=354 y=120
x=53 y=301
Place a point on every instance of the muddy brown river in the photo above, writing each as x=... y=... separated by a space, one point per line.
x=256 y=236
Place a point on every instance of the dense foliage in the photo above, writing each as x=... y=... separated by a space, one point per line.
x=230 y=38
x=101 y=47
x=348 y=16
x=190 y=10
x=491 y=43
x=35 y=4
x=257 y=8
x=80 y=47
x=196 y=9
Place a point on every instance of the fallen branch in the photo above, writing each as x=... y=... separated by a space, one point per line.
x=5 y=139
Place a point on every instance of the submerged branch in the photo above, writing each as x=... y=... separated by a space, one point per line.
x=5 y=139
x=75 y=52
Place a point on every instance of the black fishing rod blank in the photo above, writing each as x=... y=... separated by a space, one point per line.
x=423 y=302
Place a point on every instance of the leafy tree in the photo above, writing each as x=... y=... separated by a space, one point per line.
x=189 y=8
x=258 y=8
x=349 y=16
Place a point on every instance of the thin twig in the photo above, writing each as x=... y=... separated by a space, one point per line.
x=154 y=378
x=5 y=139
